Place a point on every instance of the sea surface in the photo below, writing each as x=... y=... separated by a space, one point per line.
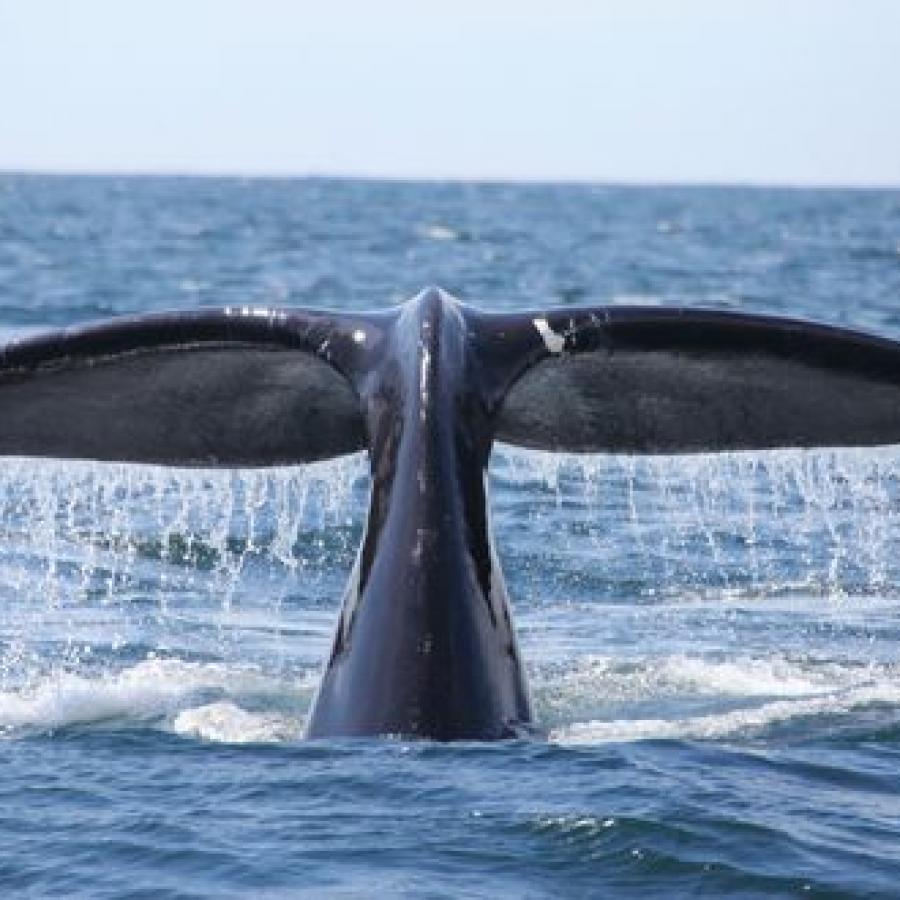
x=712 y=642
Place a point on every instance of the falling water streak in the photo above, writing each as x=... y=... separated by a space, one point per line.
x=82 y=535
x=827 y=514
x=94 y=518
x=77 y=535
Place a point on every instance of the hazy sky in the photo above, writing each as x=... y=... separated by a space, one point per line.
x=796 y=91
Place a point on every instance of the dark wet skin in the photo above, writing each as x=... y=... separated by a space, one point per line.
x=425 y=644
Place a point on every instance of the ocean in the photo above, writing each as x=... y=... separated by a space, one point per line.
x=712 y=641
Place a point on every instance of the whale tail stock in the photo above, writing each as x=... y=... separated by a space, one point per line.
x=246 y=387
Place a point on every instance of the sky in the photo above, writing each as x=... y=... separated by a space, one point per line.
x=659 y=91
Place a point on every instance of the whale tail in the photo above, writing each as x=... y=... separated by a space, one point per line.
x=244 y=387
x=425 y=643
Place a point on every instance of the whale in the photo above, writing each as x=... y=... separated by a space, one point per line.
x=425 y=645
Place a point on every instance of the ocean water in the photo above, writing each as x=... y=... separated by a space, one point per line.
x=713 y=642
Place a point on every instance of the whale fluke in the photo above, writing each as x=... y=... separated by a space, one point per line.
x=234 y=387
x=654 y=380
x=425 y=644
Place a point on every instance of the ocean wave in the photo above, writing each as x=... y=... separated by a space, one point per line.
x=154 y=690
x=790 y=690
x=614 y=678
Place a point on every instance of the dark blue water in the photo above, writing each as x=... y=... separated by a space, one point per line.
x=713 y=643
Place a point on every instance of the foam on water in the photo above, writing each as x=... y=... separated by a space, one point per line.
x=226 y=723
x=740 y=722
x=636 y=679
x=743 y=696
x=150 y=691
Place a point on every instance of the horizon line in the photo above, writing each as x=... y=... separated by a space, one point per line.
x=389 y=178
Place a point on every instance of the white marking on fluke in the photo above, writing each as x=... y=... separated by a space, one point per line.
x=554 y=342
x=359 y=336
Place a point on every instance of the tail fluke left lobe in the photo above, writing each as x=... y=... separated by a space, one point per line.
x=639 y=380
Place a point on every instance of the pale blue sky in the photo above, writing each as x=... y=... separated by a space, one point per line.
x=793 y=91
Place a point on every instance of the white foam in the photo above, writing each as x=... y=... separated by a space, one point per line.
x=791 y=688
x=745 y=677
x=679 y=674
x=225 y=722
x=154 y=688
x=728 y=724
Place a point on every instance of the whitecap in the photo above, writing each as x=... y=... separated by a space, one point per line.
x=727 y=724
x=151 y=689
x=437 y=232
x=225 y=722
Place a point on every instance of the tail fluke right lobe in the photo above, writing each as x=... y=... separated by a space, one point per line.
x=206 y=388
